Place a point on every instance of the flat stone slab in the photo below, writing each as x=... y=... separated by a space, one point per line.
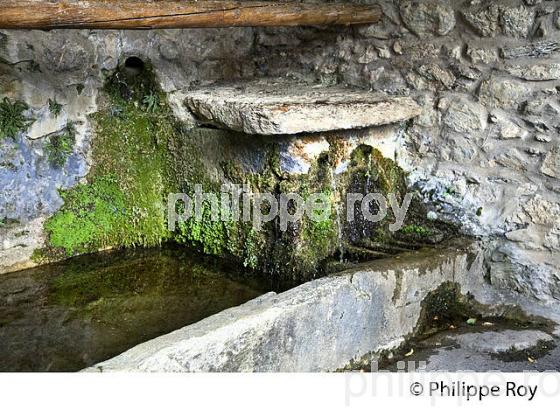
x=481 y=351
x=503 y=341
x=272 y=107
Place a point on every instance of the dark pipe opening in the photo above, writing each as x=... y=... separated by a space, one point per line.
x=134 y=65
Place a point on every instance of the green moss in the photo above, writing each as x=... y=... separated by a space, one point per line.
x=209 y=235
x=416 y=230
x=124 y=200
x=12 y=118
x=94 y=216
x=60 y=145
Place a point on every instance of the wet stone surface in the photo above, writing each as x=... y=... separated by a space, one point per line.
x=67 y=316
x=482 y=349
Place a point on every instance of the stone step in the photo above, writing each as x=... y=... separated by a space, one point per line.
x=273 y=106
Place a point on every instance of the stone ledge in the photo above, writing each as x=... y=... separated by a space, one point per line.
x=272 y=107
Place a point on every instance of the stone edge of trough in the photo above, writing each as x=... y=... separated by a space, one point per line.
x=321 y=325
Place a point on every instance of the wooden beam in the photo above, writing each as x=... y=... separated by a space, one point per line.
x=134 y=14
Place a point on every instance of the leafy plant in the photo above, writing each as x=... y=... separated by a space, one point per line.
x=151 y=102
x=60 y=146
x=55 y=107
x=12 y=119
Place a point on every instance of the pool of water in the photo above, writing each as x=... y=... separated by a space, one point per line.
x=70 y=315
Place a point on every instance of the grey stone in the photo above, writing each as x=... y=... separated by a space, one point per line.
x=319 y=326
x=501 y=342
x=435 y=72
x=538 y=49
x=503 y=93
x=446 y=352
x=517 y=21
x=551 y=163
x=428 y=17
x=485 y=20
x=536 y=71
x=493 y=18
x=505 y=128
x=278 y=107
x=479 y=55
x=465 y=116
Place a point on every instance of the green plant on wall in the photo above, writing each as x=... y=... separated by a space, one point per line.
x=12 y=118
x=55 y=107
x=123 y=201
x=60 y=145
x=151 y=102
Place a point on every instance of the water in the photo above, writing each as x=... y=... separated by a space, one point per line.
x=70 y=315
x=338 y=213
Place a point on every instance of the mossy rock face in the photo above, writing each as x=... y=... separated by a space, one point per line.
x=141 y=153
x=122 y=201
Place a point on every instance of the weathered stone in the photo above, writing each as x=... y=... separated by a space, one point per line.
x=541 y=107
x=428 y=17
x=492 y=19
x=397 y=48
x=481 y=351
x=271 y=107
x=505 y=128
x=539 y=49
x=368 y=55
x=482 y=55
x=367 y=310
x=435 y=72
x=46 y=123
x=465 y=116
x=384 y=52
x=503 y=92
x=501 y=342
x=536 y=71
x=517 y=21
x=540 y=211
x=551 y=163
x=485 y=20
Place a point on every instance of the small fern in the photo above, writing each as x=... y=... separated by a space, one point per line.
x=12 y=119
x=55 y=107
x=60 y=146
x=151 y=102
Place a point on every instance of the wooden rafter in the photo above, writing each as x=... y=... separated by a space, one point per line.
x=135 y=14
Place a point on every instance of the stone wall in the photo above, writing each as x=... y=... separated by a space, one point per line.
x=69 y=68
x=485 y=152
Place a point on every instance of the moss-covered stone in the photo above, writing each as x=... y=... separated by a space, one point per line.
x=141 y=153
x=122 y=202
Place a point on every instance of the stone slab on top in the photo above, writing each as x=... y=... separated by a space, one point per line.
x=272 y=107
